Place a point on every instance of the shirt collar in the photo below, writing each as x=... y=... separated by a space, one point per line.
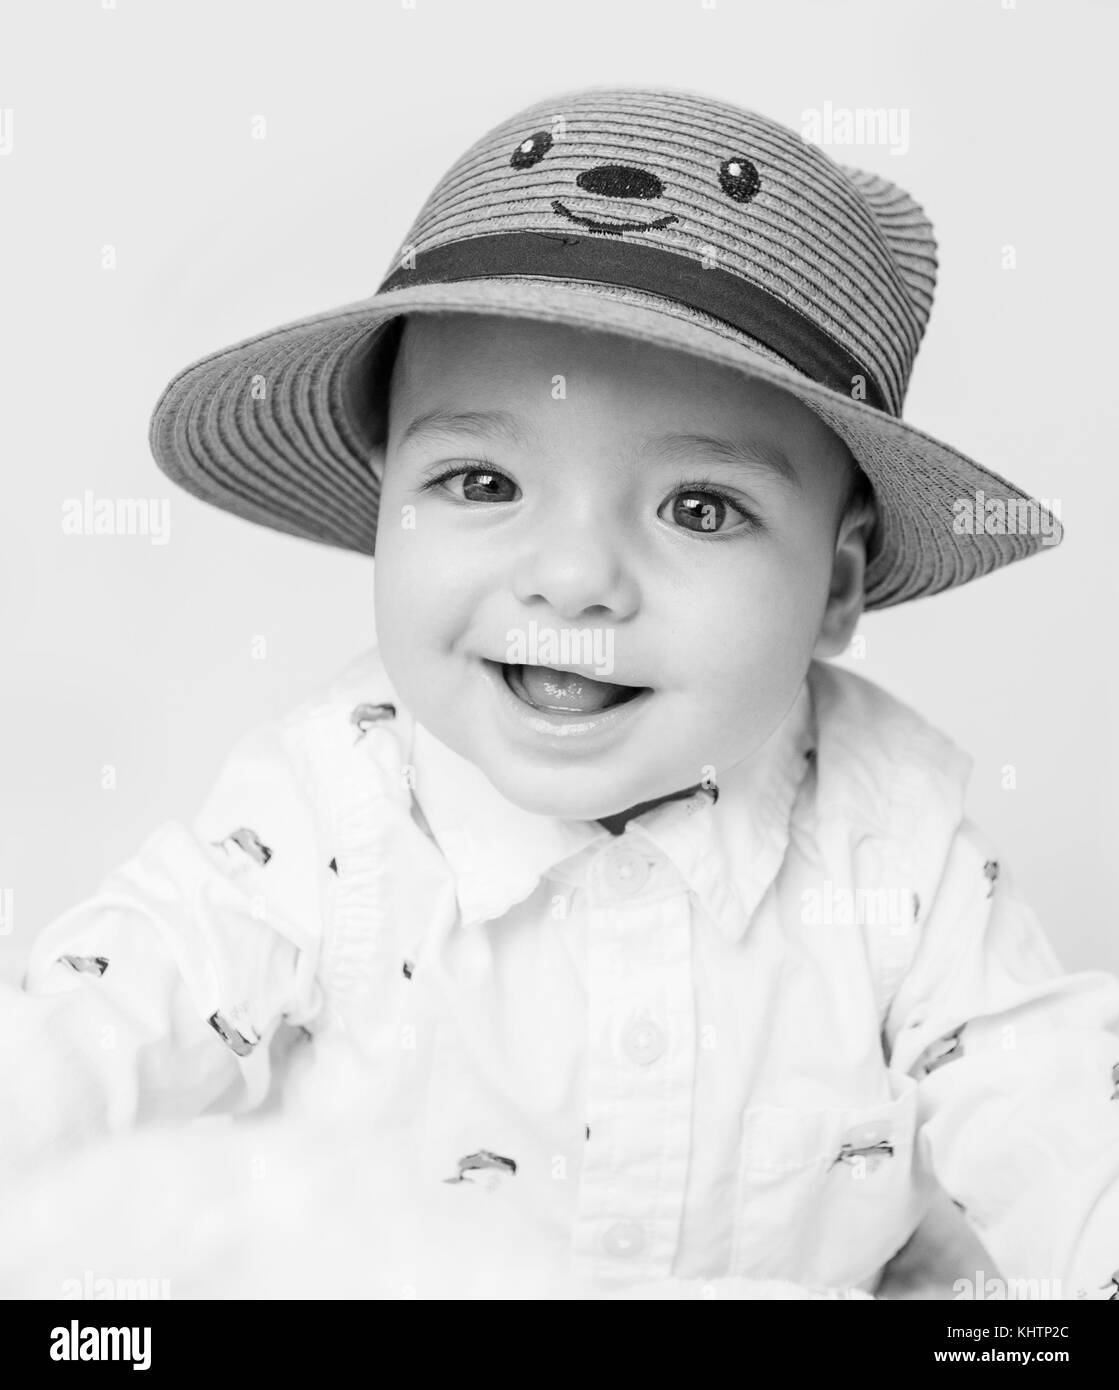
x=727 y=850
x=497 y=852
x=730 y=851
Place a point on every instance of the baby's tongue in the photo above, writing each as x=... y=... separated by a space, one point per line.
x=566 y=690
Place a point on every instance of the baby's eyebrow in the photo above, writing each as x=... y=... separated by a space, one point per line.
x=757 y=455
x=481 y=422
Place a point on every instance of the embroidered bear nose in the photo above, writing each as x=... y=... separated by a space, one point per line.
x=620 y=181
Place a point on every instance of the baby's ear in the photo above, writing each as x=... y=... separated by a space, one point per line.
x=363 y=390
x=847 y=593
x=375 y=462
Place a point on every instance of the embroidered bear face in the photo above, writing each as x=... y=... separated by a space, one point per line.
x=736 y=175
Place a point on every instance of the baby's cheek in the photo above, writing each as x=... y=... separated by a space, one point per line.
x=408 y=561
x=751 y=677
x=402 y=607
x=760 y=615
x=425 y=603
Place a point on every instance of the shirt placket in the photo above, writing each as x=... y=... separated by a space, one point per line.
x=640 y=1064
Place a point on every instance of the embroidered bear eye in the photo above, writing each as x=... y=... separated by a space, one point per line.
x=738 y=178
x=532 y=150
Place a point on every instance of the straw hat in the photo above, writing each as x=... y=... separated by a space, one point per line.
x=660 y=215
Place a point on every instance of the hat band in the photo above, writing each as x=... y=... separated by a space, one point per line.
x=731 y=298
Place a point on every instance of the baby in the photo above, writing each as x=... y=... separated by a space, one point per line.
x=595 y=882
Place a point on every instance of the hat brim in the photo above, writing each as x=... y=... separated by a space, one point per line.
x=280 y=428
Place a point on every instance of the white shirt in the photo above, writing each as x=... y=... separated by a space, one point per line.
x=724 y=1043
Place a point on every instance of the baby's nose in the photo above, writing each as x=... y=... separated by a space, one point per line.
x=576 y=579
x=620 y=181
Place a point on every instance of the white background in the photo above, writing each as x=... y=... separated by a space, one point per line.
x=133 y=129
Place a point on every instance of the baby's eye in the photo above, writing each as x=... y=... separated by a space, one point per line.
x=478 y=485
x=705 y=512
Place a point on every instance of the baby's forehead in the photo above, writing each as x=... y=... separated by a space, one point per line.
x=467 y=333
x=441 y=350
x=545 y=372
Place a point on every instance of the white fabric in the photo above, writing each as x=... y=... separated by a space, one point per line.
x=752 y=1042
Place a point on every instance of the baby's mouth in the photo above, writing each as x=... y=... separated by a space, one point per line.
x=565 y=692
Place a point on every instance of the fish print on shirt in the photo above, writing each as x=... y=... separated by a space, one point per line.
x=363 y=717
x=950 y=1048
x=488 y=1169
x=248 y=841
x=873 y=1153
x=87 y=965
x=231 y=1034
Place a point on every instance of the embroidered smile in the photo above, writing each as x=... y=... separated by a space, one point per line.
x=597 y=224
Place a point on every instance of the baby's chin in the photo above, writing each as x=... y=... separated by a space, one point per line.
x=578 y=793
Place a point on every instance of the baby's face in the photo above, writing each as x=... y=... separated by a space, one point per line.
x=576 y=592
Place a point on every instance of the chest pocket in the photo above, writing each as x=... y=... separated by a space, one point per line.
x=826 y=1196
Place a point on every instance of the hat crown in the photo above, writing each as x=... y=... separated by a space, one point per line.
x=724 y=188
x=660 y=217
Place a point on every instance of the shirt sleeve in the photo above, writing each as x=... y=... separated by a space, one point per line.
x=160 y=996
x=1018 y=1071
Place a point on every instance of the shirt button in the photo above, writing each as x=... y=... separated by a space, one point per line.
x=644 y=1041
x=626 y=870
x=624 y=1238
